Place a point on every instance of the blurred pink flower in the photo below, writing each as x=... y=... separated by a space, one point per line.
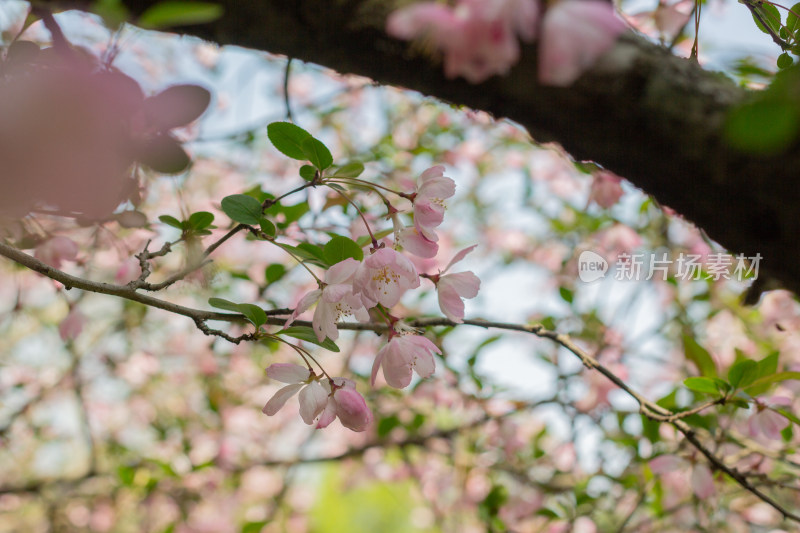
x=56 y=250
x=72 y=325
x=765 y=420
x=401 y=356
x=345 y=403
x=478 y=38
x=384 y=277
x=575 y=33
x=606 y=189
x=702 y=481
x=313 y=396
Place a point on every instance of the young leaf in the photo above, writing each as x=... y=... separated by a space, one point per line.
x=701 y=384
x=793 y=18
x=169 y=220
x=274 y=272
x=308 y=173
x=699 y=356
x=340 y=248
x=769 y=15
x=350 y=170
x=743 y=373
x=307 y=334
x=288 y=139
x=221 y=303
x=201 y=220
x=253 y=313
x=267 y=227
x=317 y=153
x=171 y=14
x=242 y=208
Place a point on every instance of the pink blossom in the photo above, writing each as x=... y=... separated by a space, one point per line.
x=702 y=481
x=384 y=277
x=478 y=38
x=345 y=403
x=334 y=301
x=403 y=355
x=56 y=250
x=452 y=288
x=313 y=396
x=575 y=33
x=766 y=420
x=415 y=243
x=434 y=188
x=72 y=325
x=606 y=189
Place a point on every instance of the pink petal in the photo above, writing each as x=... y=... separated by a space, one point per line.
x=664 y=464
x=702 y=481
x=312 y=401
x=334 y=293
x=341 y=271
x=459 y=256
x=288 y=372
x=575 y=33
x=433 y=172
x=377 y=363
x=279 y=400
x=466 y=284
x=352 y=409
x=450 y=303
x=418 y=19
x=328 y=414
x=413 y=242
x=324 y=321
x=305 y=302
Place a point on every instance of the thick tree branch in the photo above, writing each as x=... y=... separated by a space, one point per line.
x=649 y=116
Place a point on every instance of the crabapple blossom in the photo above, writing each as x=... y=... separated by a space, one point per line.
x=313 y=396
x=452 y=288
x=606 y=189
x=72 y=325
x=345 y=403
x=702 y=480
x=334 y=301
x=434 y=188
x=575 y=33
x=384 y=277
x=416 y=243
x=766 y=420
x=403 y=355
x=56 y=250
x=478 y=38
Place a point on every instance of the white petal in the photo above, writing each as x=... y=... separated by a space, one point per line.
x=279 y=400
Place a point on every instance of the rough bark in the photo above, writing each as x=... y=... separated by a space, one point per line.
x=647 y=115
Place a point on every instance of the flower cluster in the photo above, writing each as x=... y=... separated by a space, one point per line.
x=352 y=288
x=479 y=38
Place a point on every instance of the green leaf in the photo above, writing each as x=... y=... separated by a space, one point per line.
x=743 y=373
x=201 y=220
x=387 y=424
x=267 y=227
x=307 y=334
x=274 y=272
x=169 y=220
x=768 y=365
x=350 y=170
x=288 y=139
x=566 y=294
x=785 y=60
x=253 y=313
x=311 y=251
x=317 y=153
x=308 y=173
x=770 y=380
x=699 y=356
x=242 y=208
x=792 y=18
x=340 y=248
x=702 y=384
x=788 y=415
x=171 y=14
x=220 y=303
x=765 y=127
x=365 y=239
x=770 y=15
